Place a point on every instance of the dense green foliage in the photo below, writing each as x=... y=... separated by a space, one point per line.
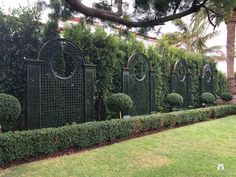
x=175 y=99
x=110 y=53
x=208 y=98
x=50 y=31
x=221 y=83
x=226 y=96
x=19 y=38
x=24 y=144
x=10 y=110
x=118 y=102
x=163 y=59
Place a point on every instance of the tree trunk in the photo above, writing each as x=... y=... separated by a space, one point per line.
x=230 y=53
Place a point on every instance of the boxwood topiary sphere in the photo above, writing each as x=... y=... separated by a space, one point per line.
x=175 y=99
x=118 y=102
x=208 y=98
x=10 y=110
x=226 y=96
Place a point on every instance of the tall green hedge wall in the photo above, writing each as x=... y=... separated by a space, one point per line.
x=110 y=53
x=22 y=37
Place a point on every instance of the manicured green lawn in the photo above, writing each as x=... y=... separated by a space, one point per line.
x=184 y=152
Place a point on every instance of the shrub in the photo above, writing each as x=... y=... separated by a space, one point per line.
x=48 y=140
x=25 y=144
x=10 y=110
x=226 y=96
x=118 y=102
x=21 y=29
x=175 y=99
x=208 y=98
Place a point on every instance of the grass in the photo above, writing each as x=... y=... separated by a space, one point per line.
x=190 y=151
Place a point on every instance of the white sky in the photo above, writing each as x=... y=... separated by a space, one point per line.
x=219 y=40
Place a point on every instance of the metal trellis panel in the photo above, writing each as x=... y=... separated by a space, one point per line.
x=61 y=86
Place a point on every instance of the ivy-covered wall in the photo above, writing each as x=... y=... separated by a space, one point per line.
x=111 y=52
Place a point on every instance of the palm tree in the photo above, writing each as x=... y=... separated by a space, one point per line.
x=229 y=17
x=192 y=37
x=230 y=48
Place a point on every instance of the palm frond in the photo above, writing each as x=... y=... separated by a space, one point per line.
x=181 y=25
x=210 y=36
x=213 y=49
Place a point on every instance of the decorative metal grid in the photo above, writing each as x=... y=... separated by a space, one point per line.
x=152 y=91
x=89 y=94
x=34 y=91
x=181 y=82
x=62 y=87
x=138 y=84
x=207 y=79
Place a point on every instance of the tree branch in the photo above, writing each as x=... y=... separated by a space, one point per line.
x=116 y=17
x=208 y=15
x=176 y=8
x=80 y=7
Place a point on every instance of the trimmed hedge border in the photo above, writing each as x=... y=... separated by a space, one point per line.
x=20 y=145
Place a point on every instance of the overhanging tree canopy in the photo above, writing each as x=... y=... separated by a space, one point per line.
x=150 y=13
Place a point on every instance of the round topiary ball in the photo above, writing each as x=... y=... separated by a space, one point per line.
x=118 y=102
x=226 y=96
x=208 y=98
x=175 y=99
x=10 y=110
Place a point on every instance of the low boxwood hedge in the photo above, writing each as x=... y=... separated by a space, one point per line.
x=20 y=145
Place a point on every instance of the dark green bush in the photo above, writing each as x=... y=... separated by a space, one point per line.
x=10 y=110
x=175 y=99
x=20 y=37
x=118 y=102
x=208 y=98
x=226 y=96
x=25 y=144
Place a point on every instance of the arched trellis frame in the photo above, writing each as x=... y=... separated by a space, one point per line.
x=181 y=82
x=139 y=84
x=207 y=79
x=60 y=86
